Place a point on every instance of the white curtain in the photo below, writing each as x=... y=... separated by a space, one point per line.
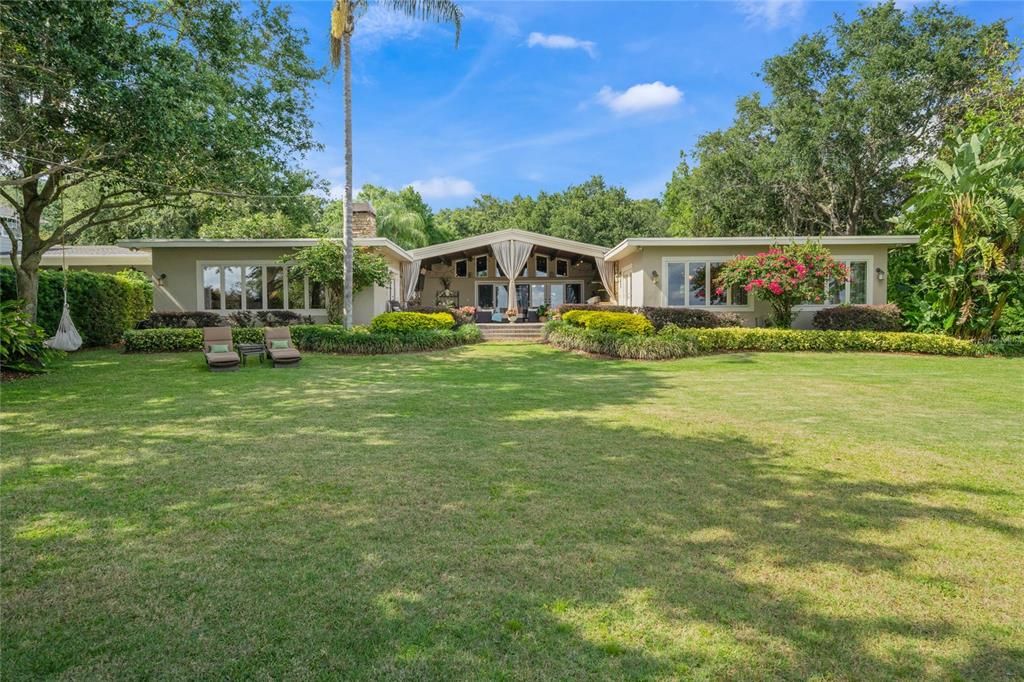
x=605 y=271
x=512 y=257
x=410 y=275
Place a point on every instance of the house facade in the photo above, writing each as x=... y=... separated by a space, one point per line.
x=496 y=271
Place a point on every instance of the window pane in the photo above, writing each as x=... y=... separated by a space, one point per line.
x=541 y=266
x=675 y=284
x=573 y=293
x=316 y=295
x=233 y=287
x=739 y=295
x=858 y=282
x=714 y=297
x=558 y=294
x=485 y=296
x=835 y=293
x=522 y=296
x=698 y=274
x=211 y=287
x=254 y=287
x=536 y=295
x=275 y=287
x=296 y=290
x=481 y=266
x=561 y=267
x=461 y=268
x=502 y=296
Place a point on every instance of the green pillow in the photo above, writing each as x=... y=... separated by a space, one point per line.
x=279 y=343
x=219 y=348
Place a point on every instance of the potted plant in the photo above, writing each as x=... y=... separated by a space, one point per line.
x=512 y=314
x=542 y=312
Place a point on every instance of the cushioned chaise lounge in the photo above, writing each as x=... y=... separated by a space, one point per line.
x=219 y=350
x=285 y=354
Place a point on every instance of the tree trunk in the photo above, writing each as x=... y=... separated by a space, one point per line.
x=347 y=43
x=28 y=254
x=27 y=279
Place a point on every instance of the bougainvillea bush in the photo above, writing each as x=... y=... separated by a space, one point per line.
x=784 y=276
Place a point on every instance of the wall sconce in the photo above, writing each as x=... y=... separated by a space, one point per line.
x=162 y=278
x=880 y=273
x=654 y=276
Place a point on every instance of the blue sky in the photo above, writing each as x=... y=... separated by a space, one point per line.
x=542 y=95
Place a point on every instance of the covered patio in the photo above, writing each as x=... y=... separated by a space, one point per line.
x=510 y=274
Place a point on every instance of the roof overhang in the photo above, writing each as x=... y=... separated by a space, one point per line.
x=629 y=246
x=482 y=241
x=54 y=258
x=379 y=243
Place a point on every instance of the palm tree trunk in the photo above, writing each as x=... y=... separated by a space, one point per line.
x=348 y=180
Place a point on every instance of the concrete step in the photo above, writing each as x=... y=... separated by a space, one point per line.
x=521 y=331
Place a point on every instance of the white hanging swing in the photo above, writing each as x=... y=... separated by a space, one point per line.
x=67 y=337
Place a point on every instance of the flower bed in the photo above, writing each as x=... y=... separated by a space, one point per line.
x=675 y=342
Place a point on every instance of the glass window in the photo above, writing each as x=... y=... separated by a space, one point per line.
x=738 y=295
x=254 y=287
x=296 y=290
x=558 y=295
x=317 y=300
x=537 y=295
x=462 y=268
x=573 y=294
x=561 y=267
x=481 y=266
x=714 y=298
x=858 y=281
x=675 y=283
x=501 y=296
x=275 y=287
x=522 y=296
x=233 y=287
x=211 y=287
x=541 y=266
x=698 y=277
x=485 y=295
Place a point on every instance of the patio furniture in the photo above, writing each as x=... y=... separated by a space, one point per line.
x=247 y=349
x=482 y=316
x=282 y=352
x=531 y=316
x=219 y=349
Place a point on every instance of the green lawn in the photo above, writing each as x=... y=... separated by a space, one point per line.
x=514 y=512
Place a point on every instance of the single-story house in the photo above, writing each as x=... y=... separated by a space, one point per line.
x=225 y=275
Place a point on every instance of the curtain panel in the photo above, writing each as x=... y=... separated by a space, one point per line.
x=512 y=256
x=410 y=275
x=605 y=271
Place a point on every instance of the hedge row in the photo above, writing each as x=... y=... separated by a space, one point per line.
x=103 y=306
x=600 y=320
x=402 y=322
x=675 y=342
x=876 y=318
x=661 y=316
x=323 y=338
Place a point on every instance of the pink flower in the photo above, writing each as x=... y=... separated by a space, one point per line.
x=775 y=288
x=719 y=291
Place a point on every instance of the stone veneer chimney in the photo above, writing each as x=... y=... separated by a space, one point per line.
x=364 y=219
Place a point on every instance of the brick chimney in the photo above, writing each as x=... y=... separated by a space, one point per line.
x=364 y=219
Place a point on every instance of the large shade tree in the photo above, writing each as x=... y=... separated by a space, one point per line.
x=129 y=104
x=344 y=18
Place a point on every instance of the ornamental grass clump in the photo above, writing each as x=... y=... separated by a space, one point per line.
x=784 y=277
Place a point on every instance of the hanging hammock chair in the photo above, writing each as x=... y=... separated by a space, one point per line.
x=67 y=337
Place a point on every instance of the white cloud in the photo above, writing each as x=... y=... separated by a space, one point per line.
x=444 y=187
x=772 y=13
x=557 y=42
x=640 y=98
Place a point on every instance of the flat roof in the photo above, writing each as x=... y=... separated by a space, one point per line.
x=99 y=254
x=628 y=246
x=368 y=242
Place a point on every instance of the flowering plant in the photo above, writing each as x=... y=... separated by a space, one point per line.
x=784 y=277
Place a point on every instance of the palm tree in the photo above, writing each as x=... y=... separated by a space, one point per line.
x=344 y=15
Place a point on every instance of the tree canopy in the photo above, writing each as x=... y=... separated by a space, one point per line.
x=850 y=112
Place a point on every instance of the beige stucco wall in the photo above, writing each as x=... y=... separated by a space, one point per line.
x=466 y=286
x=180 y=289
x=649 y=259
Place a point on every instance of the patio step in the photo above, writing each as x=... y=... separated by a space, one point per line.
x=521 y=331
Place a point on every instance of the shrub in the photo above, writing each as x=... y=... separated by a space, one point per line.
x=21 y=342
x=174 y=319
x=690 y=317
x=675 y=342
x=874 y=318
x=103 y=306
x=320 y=338
x=566 y=307
x=463 y=315
x=599 y=320
x=401 y=323
x=266 y=318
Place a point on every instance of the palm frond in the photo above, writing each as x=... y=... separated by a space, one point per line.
x=438 y=11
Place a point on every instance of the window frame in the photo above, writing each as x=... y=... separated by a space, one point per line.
x=455 y=268
x=707 y=261
x=562 y=260
x=244 y=265
x=504 y=282
x=547 y=265
x=476 y=266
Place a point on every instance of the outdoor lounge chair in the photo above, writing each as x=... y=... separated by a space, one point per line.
x=281 y=357
x=219 y=360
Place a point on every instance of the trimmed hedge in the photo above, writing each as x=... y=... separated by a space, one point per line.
x=323 y=338
x=875 y=318
x=175 y=319
x=463 y=315
x=103 y=306
x=662 y=316
x=598 y=320
x=675 y=342
x=399 y=323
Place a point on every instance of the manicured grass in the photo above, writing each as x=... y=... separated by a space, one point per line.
x=514 y=512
